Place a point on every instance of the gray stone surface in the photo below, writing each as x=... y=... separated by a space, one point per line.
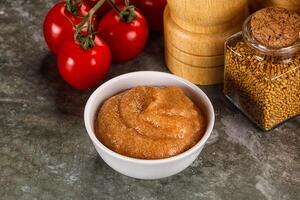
x=45 y=152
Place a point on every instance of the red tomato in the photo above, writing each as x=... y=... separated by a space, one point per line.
x=153 y=11
x=81 y=68
x=126 y=40
x=57 y=28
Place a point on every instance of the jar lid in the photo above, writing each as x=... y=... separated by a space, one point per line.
x=273 y=30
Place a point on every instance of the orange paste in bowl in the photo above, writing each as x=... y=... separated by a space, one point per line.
x=150 y=122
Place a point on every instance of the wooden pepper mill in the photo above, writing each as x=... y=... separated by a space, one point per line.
x=195 y=31
x=293 y=5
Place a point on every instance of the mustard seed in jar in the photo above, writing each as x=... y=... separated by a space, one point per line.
x=263 y=80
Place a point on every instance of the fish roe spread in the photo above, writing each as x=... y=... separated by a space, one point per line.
x=150 y=122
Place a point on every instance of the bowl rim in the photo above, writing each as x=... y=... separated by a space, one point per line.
x=197 y=146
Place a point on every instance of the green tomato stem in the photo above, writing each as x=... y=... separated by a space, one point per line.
x=87 y=41
x=96 y=8
x=91 y=13
x=114 y=6
x=126 y=14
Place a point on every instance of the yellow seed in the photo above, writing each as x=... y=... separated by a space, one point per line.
x=267 y=88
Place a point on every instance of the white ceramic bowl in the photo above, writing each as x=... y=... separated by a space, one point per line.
x=139 y=168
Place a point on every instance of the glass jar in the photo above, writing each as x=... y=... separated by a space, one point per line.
x=262 y=82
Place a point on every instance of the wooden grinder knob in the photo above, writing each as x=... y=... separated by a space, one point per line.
x=207 y=16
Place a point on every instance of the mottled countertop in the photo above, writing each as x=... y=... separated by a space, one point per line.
x=45 y=152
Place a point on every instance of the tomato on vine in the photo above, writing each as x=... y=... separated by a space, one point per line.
x=58 y=23
x=84 y=60
x=125 y=30
x=82 y=68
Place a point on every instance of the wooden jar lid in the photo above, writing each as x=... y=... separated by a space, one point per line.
x=197 y=75
x=206 y=13
x=196 y=43
x=193 y=60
